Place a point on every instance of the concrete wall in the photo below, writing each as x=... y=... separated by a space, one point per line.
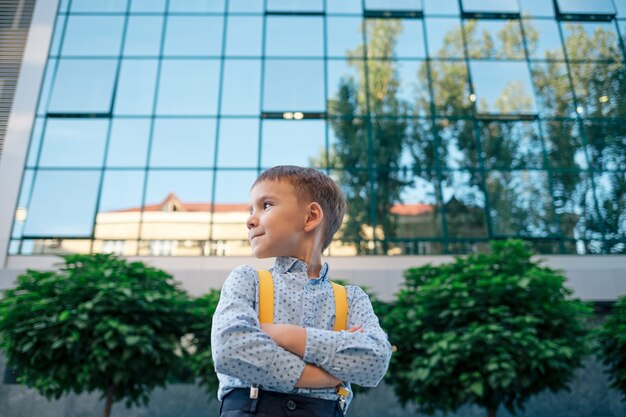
x=598 y=278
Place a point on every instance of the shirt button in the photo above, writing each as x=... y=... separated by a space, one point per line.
x=291 y=405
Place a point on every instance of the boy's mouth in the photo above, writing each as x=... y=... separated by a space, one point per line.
x=254 y=236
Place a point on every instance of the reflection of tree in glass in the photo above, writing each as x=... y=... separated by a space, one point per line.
x=600 y=92
x=371 y=177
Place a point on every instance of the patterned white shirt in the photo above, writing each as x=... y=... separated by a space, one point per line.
x=245 y=355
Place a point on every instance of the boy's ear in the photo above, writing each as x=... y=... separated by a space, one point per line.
x=314 y=216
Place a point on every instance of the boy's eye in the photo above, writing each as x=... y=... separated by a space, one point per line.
x=266 y=205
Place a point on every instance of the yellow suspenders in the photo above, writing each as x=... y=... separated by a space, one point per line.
x=266 y=314
x=266 y=301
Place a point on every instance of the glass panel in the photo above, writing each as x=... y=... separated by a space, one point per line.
x=413 y=5
x=395 y=38
x=93 y=35
x=35 y=142
x=306 y=136
x=188 y=87
x=128 y=144
x=419 y=212
x=119 y=215
x=345 y=38
x=464 y=203
x=63 y=204
x=586 y=41
x=294 y=36
x=573 y=199
x=444 y=37
x=74 y=143
x=586 y=6
x=543 y=39
x=348 y=144
x=620 y=6
x=552 y=85
x=606 y=142
x=294 y=85
x=521 y=204
x=600 y=89
x=241 y=87
x=193 y=36
x=537 y=8
x=183 y=143
x=136 y=87
x=102 y=6
x=490 y=6
x=451 y=91
x=116 y=247
x=177 y=206
x=255 y=6
x=498 y=95
x=143 y=35
x=344 y=83
x=295 y=5
x=494 y=38
x=244 y=36
x=356 y=232
x=83 y=86
x=216 y=6
x=398 y=88
x=563 y=144
x=457 y=144
x=230 y=213
x=441 y=7
x=59 y=27
x=237 y=135
x=514 y=145
x=344 y=6
x=46 y=88
x=147 y=5
x=21 y=212
x=611 y=196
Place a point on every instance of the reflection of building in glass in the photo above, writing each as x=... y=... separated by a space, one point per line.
x=504 y=118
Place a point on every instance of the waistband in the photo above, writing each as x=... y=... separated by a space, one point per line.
x=280 y=404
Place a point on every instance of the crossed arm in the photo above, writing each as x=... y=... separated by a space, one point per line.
x=293 y=339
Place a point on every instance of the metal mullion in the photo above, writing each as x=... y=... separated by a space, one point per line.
x=218 y=123
x=262 y=88
x=152 y=122
x=368 y=131
x=581 y=126
x=435 y=131
x=35 y=169
x=108 y=134
x=326 y=119
x=544 y=152
x=481 y=162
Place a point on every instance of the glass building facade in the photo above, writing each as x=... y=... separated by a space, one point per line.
x=447 y=123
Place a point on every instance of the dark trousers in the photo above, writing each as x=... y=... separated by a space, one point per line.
x=238 y=403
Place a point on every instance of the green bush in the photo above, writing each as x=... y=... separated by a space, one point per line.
x=612 y=341
x=201 y=360
x=489 y=329
x=99 y=324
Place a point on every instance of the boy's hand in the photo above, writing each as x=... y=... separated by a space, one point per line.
x=356 y=329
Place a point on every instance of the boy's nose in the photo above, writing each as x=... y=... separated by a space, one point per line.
x=251 y=222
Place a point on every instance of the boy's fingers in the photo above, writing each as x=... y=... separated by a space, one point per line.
x=355 y=329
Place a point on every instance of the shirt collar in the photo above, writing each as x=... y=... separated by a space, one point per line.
x=285 y=264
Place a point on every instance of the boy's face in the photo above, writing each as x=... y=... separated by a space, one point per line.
x=277 y=219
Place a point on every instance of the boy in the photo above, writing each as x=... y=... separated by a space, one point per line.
x=296 y=364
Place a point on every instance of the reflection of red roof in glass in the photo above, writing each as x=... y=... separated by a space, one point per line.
x=173 y=203
x=411 y=209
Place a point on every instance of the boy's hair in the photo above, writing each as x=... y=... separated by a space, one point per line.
x=312 y=185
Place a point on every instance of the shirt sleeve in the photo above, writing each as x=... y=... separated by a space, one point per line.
x=361 y=358
x=239 y=347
